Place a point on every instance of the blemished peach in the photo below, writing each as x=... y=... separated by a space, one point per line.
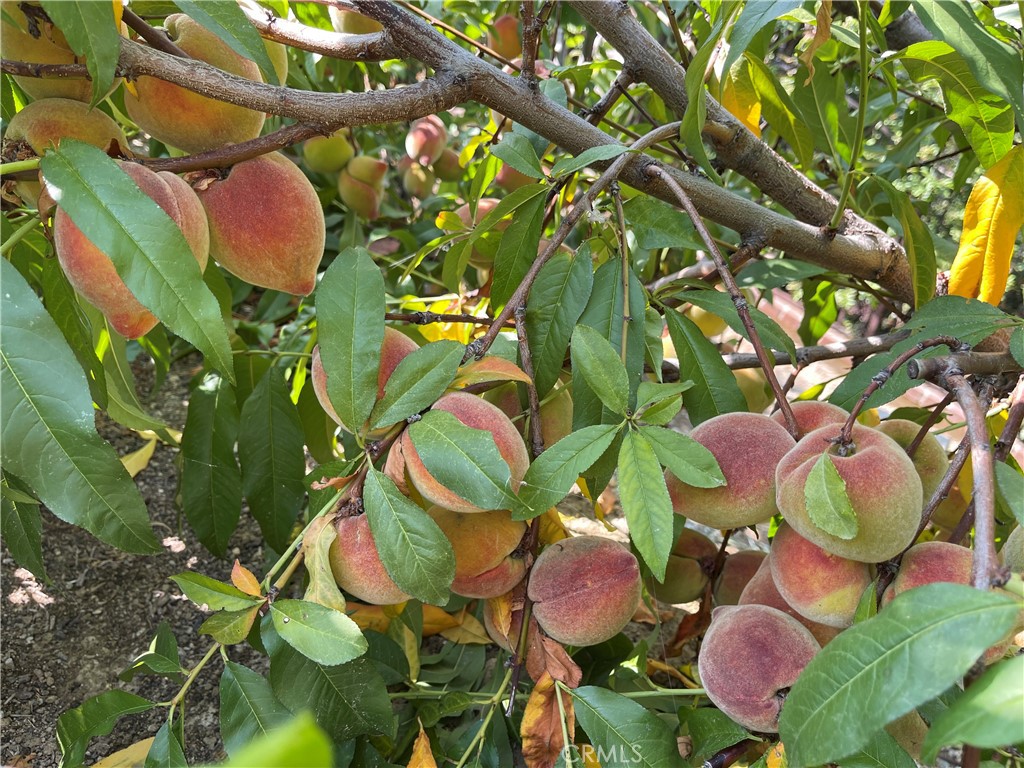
x=477 y=413
x=930 y=562
x=484 y=544
x=356 y=564
x=1012 y=551
x=266 y=223
x=737 y=571
x=750 y=657
x=814 y=414
x=186 y=120
x=352 y=23
x=426 y=140
x=418 y=181
x=393 y=350
x=48 y=47
x=881 y=483
x=819 y=585
x=747 y=446
x=91 y=271
x=327 y=154
x=447 y=166
x=503 y=37
x=584 y=589
x=761 y=590
x=929 y=459
x=689 y=564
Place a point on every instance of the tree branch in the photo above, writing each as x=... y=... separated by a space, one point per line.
x=375 y=46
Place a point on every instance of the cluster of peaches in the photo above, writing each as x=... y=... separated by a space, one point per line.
x=776 y=610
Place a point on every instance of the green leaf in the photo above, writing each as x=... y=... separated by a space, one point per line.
x=621 y=726
x=697 y=106
x=270 y=445
x=47 y=434
x=517 y=250
x=820 y=310
x=654 y=392
x=350 y=323
x=413 y=549
x=656 y=224
x=553 y=473
x=94 y=717
x=161 y=658
x=828 y=504
x=509 y=204
x=1017 y=346
x=227 y=20
x=21 y=527
x=230 y=627
x=986 y=716
x=714 y=389
x=319 y=633
x=645 y=501
x=211 y=482
x=780 y=111
x=92 y=34
x=1010 y=489
x=711 y=731
x=317 y=427
x=587 y=157
x=556 y=302
x=684 y=457
x=864 y=679
x=166 y=751
x=216 y=595
x=517 y=151
x=752 y=19
x=417 y=382
x=775 y=273
x=248 y=707
x=601 y=368
x=917 y=242
x=882 y=751
x=298 y=744
x=721 y=304
x=464 y=460
x=149 y=252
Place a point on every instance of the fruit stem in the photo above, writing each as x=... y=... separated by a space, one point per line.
x=18 y=235
x=19 y=165
x=192 y=675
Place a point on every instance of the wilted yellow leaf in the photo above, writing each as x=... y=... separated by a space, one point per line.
x=552 y=528
x=541 y=729
x=777 y=756
x=136 y=461
x=469 y=630
x=118 y=14
x=822 y=33
x=994 y=215
x=244 y=579
x=740 y=98
x=129 y=757
x=422 y=757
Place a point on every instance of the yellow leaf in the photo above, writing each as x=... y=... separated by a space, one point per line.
x=435 y=620
x=869 y=418
x=468 y=632
x=129 y=757
x=740 y=98
x=777 y=756
x=541 y=729
x=118 y=13
x=551 y=527
x=994 y=215
x=822 y=33
x=136 y=461
x=422 y=757
x=243 y=578
x=486 y=369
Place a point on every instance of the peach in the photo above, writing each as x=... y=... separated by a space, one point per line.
x=477 y=413
x=737 y=571
x=357 y=567
x=814 y=414
x=361 y=186
x=882 y=485
x=91 y=271
x=486 y=563
x=503 y=37
x=509 y=179
x=709 y=323
x=930 y=562
x=506 y=397
x=689 y=563
x=418 y=181
x=909 y=732
x=278 y=55
x=556 y=416
x=447 y=166
x=327 y=154
x=747 y=446
x=368 y=170
x=947 y=515
x=755 y=389
x=486 y=246
x=186 y=120
x=750 y=657
x=426 y=140
x=761 y=590
x=38 y=41
x=266 y=223
x=929 y=459
x=352 y=23
x=1012 y=551
x=394 y=349
x=820 y=586
x=584 y=589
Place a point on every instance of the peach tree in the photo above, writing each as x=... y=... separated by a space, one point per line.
x=442 y=265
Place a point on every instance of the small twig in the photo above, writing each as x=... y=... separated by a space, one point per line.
x=956 y=463
x=979 y=363
x=674 y=23
x=868 y=345
x=931 y=421
x=225 y=157
x=426 y=318
x=375 y=46
x=1014 y=419
x=156 y=38
x=526 y=358
x=531 y=39
x=738 y=299
x=716 y=568
x=748 y=250
x=624 y=255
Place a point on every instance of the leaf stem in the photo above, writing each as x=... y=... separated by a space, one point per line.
x=192 y=675
x=19 y=234
x=492 y=703
x=19 y=165
x=858 y=137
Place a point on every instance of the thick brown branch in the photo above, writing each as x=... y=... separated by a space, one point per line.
x=222 y=157
x=981 y=363
x=338 y=45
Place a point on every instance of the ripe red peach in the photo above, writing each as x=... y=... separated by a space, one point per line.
x=750 y=657
x=930 y=562
x=477 y=413
x=737 y=571
x=814 y=414
x=689 y=563
x=819 y=585
x=485 y=544
x=929 y=459
x=356 y=564
x=509 y=179
x=748 y=447
x=91 y=271
x=882 y=485
x=761 y=590
x=266 y=223
x=584 y=589
x=186 y=120
x=426 y=140
x=503 y=37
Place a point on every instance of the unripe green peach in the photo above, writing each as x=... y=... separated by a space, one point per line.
x=929 y=459
x=1012 y=551
x=368 y=170
x=426 y=140
x=689 y=563
x=184 y=119
x=327 y=154
x=821 y=586
x=266 y=223
x=40 y=42
x=814 y=414
x=485 y=545
x=584 y=589
x=503 y=37
x=362 y=198
x=748 y=447
x=947 y=515
x=447 y=166
x=477 y=413
x=91 y=271
x=356 y=564
x=418 y=181
x=761 y=590
x=394 y=349
x=352 y=23
x=737 y=571
x=750 y=657
x=882 y=485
